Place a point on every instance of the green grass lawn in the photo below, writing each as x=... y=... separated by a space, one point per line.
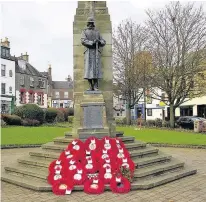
x=164 y=136
x=40 y=135
x=30 y=135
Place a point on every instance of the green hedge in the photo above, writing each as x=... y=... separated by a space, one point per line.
x=50 y=115
x=30 y=111
x=12 y=119
x=60 y=116
x=30 y=122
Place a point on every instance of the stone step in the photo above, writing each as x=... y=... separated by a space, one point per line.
x=118 y=134
x=31 y=161
x=162 y=179
x=21 y=170
x=63 y=140
x=34 y=184
x=85 y=135
x=157 y=169
x=135 y=145
x=50 y=155
x=45 y=154
x=142 y=162
x=68 y=134
x=60 y=147
x=39 y=185
x=105 y=129
x=143 y=152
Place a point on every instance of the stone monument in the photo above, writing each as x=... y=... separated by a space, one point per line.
x=93 y=107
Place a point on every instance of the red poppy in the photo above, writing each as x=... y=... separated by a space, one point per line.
x=63 y=187
x=92 y=144
x=119 y=184
x=94 y=186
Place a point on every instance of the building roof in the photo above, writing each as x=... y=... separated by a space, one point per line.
x=62 y=84
x=30 y=70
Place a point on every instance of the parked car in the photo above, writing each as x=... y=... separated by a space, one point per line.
x=188 y=121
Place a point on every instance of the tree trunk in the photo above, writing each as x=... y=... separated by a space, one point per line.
x=128 y=115
x=172 y=116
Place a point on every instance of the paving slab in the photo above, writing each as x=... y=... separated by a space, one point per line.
x=192 y=188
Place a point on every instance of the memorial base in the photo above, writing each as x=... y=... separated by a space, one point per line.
x=93 y=119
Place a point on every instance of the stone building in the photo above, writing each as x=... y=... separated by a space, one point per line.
x=60 y=93
x=7 y=78
x=31 y=85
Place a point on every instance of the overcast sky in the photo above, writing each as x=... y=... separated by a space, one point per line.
x=44 y=30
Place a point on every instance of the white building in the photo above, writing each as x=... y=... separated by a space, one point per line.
x=157 y=109
x=7 y=78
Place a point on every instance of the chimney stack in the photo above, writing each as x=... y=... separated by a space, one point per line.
x=25 y=57
x=50 y=71
x=5 y=43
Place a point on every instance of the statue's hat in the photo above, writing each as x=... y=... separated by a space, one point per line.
x=90 y=19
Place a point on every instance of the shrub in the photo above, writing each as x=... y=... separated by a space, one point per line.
x=50 y=115
x=70 y=111
x=12 y=119
x=150 y=123
x=166 y=124
x=3 y=123
x=120 y=120
x=30 y=111
x=60 y=116
x=158 y=123
x=30 y=122
x=70 y=119
x=67 y=112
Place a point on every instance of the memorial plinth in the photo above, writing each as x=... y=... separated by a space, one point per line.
x=93 y=121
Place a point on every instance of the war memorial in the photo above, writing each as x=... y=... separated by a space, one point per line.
x=93 y=120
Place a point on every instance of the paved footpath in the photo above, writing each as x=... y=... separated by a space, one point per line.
x=189 y=189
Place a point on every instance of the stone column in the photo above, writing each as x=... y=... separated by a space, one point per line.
x=103 y=24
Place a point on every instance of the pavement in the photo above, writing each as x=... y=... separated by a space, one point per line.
x=189 y=189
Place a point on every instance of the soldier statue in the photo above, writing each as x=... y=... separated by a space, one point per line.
x=93 y=43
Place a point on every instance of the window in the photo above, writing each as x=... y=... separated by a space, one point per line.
x=22 y=64
x=57 y=94
x=3 y=70
x=3 y=52
x=10 y=73
x=3 y=88
x=10 y=89
x=66 y=94
x=7 y=53
x=42 y=83
x=21 y=80
x=149 y=112
x=31 y=81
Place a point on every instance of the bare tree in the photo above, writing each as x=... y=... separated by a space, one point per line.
x=128 y=40
x=178 y=46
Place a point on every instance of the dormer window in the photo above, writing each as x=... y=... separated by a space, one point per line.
x=22 y=64
x=31 y=81
x=42 y=83
x=5 y=52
